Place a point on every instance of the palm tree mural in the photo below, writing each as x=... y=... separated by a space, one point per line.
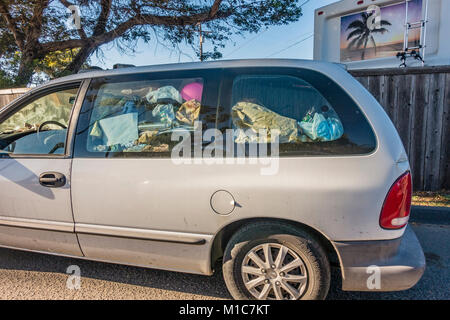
x=361 y=33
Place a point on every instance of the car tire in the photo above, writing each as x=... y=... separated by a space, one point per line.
x=248 y=274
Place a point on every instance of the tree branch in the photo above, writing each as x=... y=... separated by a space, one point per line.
x=215 y=8
x=100 y=27
x=63 y=45
x=137 y=20
x=81 y=31
x=34 y=26
x=66 y=3
x=12 y=25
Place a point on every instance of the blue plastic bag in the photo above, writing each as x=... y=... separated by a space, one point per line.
x=164 y=113
x=321 y=129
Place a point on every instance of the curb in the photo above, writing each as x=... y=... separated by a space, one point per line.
x=430 y=215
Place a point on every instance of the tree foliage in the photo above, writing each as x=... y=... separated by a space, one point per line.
x=38 y=28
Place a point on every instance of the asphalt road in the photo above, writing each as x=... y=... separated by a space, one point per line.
x=25 y=275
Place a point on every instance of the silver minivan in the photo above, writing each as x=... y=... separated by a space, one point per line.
x=268 y=170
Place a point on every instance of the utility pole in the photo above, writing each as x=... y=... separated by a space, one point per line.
x=200 y=37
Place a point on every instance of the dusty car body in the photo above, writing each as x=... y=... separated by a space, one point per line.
x=70 y=186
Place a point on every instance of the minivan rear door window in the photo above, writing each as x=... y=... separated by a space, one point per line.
x=135 y=116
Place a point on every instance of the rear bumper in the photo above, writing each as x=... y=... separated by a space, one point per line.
x=384 y=265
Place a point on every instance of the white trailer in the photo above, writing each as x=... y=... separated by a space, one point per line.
x=379 y=33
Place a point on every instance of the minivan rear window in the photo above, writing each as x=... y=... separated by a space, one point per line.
x=311 y=113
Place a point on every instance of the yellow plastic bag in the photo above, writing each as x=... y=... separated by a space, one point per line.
x=247 y=115
x=189 y=112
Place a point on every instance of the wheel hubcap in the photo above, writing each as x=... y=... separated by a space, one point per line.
x=273 y=271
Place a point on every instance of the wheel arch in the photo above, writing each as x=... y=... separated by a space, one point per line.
x=223 y=236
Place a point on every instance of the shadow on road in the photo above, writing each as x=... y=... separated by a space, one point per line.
x=213 y=286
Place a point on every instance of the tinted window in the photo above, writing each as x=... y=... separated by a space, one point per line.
x=312 y=114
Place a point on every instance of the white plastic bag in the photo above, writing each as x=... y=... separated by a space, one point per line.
x=120 y=129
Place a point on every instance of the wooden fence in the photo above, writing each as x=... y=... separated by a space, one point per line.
x=418 y=101
x=8 y=95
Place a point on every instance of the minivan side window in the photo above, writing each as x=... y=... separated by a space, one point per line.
x=40 y=126
x=138 y=117
x=309 y=119
x=286 y=103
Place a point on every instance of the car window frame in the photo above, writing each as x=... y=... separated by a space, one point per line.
x=211 y=80
x=31 y=96
x=230 y=74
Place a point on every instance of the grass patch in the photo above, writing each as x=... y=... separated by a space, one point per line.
x=431 y=198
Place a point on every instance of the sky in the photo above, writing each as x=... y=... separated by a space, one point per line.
x=291 y=41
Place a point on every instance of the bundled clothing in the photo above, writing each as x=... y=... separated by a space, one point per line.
x=247 y=115
x=189 y=112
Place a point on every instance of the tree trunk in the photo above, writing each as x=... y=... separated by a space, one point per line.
x=363 y=55
x=26 y=70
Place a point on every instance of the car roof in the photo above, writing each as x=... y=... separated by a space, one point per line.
x=321 y=66
x=309 y=64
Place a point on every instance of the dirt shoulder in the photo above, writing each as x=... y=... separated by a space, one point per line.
x=429 y=198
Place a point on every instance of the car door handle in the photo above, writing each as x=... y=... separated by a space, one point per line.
x=52 y=179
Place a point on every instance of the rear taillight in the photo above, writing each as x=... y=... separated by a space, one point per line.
x=397 y=205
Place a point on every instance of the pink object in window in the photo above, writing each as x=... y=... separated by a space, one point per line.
x=192 y=91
